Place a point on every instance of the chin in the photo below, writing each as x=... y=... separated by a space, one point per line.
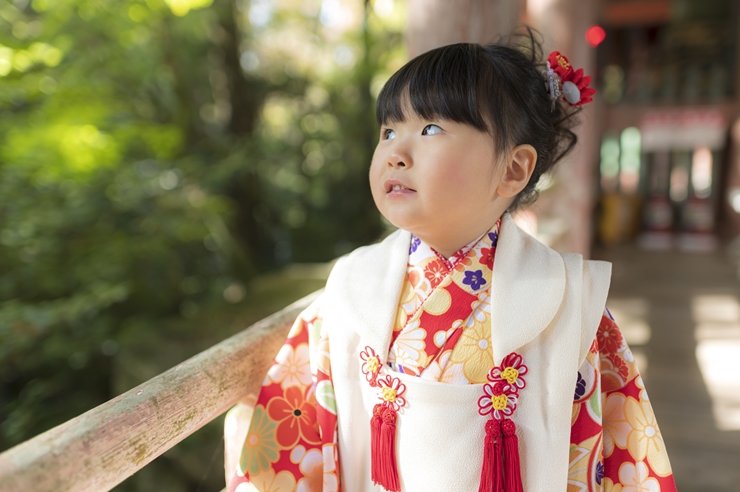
x=406 y=216
x=394 y=219
x=403 y=223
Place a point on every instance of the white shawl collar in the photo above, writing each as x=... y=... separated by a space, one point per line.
x=527 y=289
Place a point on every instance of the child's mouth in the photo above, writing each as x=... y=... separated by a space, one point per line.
x=395 y=187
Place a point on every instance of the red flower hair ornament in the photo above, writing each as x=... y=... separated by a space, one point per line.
x=563 y=80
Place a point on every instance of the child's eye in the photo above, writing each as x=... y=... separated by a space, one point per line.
x=389 y=134
x=431 y=130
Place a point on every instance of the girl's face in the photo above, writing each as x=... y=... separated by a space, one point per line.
x=437 y=179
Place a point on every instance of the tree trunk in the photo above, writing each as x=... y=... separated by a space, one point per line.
x=434 y=23
x=563 y=24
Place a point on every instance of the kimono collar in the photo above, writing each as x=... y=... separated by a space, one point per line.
x=420 y=251
x=527 y=290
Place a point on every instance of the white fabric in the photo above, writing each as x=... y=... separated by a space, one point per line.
x=545 y=306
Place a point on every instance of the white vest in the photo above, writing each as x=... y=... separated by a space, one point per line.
x=544 y=305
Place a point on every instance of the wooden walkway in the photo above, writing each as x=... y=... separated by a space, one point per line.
x=681 y=315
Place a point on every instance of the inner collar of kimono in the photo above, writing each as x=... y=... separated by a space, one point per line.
x=419 y=251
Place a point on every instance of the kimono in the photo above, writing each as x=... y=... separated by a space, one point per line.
x=441 y=327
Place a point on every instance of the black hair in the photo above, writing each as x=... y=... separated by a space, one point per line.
x=497 y=88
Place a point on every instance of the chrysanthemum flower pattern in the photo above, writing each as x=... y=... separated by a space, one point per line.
x=609 y=337
x=260 y=447
x=473 y=351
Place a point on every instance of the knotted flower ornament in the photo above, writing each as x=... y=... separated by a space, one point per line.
x=370 y=365
x=512 y=371
x=501 y=465
x=391 y=391
x=498 y=400
x=383 y=466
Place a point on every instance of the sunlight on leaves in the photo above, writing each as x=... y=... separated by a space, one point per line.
x=6 y=61
x=182 y=7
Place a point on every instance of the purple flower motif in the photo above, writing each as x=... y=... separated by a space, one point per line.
x=493 y=236
x=599 y=472
x=580 y=387
x=415 y=242
x=474 y=279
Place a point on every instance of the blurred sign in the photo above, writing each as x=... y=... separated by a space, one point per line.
x=637 y=12
x=683 y=129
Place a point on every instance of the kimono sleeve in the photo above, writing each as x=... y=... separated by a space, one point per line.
x=616 y=443
x=291 y=439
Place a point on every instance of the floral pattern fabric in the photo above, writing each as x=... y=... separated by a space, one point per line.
x=441 y=333
x=616 y=444
x=445 y=308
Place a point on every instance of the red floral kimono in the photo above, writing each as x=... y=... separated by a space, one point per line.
x=442 y=333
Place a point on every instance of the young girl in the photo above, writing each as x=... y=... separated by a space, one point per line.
x=460 y=354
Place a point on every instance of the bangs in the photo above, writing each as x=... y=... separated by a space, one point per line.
x=441 y=84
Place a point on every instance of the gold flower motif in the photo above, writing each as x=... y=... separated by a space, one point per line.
x=474 y=352
x=645 y=439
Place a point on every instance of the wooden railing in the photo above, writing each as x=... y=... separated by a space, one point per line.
x=101 y=448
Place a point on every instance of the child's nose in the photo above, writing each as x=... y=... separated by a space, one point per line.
x=399 y=159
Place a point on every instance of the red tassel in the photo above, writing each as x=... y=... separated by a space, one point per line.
x=498 y=462
x=375 y=423
x=388 y=471
x=511 y=452
x=489 y=451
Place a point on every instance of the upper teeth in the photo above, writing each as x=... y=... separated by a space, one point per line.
x=398 y=187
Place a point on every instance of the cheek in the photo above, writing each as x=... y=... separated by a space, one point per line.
x=456 y=177
x=375 y=175
x=465 y=183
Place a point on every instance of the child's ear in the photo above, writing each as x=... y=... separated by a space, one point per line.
x=520 y=162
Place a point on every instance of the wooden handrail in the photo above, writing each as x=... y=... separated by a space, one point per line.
x=102 y=447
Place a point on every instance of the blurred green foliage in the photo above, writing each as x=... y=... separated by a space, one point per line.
x=156 y=156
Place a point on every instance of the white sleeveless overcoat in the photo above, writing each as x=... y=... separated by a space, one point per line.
x=545 y=306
